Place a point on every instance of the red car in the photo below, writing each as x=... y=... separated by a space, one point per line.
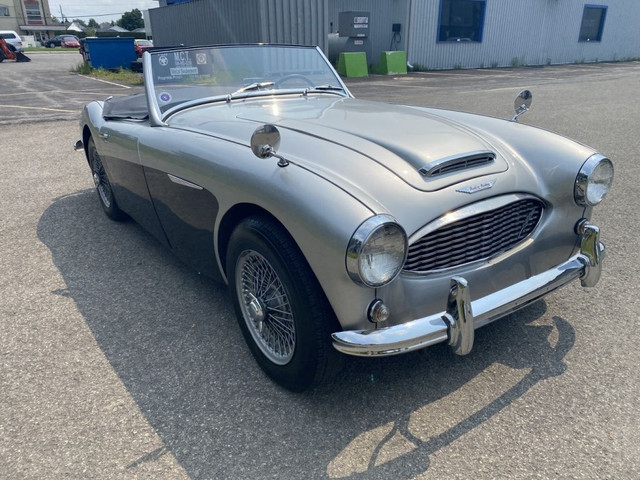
x=70 y=42
x=141 y=46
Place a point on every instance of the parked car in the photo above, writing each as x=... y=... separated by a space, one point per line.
x=64 y=41
x=141 y=46
x=12 y=39
x=342 y=225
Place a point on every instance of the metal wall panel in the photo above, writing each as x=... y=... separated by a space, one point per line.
x=529 y=32
x=205 y=22
x=303 y=22
x=247 y=21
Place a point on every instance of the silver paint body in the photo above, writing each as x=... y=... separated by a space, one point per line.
x=351 y=159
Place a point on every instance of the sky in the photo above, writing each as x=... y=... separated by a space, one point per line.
x=100 y=10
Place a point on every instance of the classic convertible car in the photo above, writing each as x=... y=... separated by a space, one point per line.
x=342 y=225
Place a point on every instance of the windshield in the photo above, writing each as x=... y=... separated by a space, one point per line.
x=180 y=77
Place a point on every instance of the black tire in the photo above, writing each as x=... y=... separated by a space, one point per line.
x=103 y=186
x=284 y=316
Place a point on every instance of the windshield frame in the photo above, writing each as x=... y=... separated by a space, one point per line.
x=159 y=118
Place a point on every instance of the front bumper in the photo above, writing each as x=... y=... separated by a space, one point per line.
x=462 y=316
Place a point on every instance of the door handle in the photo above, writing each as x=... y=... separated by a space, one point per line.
x=104 y=136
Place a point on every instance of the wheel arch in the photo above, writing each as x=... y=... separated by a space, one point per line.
x=231 y=219
x=86 y=135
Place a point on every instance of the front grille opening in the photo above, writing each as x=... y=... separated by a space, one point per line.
x=474 y=238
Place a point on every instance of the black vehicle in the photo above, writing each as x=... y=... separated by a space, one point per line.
x=58 y=40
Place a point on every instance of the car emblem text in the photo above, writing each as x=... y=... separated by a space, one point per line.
x=477 y=187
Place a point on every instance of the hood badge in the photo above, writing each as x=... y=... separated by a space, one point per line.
x=478 y=187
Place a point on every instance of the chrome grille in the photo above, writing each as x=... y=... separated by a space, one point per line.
x=474 y=238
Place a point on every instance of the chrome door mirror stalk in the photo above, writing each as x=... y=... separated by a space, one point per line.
x=265 y=142
x=522 y=103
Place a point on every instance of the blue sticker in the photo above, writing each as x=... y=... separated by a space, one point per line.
x=165 y=97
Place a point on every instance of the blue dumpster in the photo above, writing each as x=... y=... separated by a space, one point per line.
x=116 y=52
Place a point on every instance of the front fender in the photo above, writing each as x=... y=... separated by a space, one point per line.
x=320 y=216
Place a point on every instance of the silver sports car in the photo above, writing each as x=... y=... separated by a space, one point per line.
x=342 y=225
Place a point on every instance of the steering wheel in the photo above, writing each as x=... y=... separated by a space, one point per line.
x=293 y=76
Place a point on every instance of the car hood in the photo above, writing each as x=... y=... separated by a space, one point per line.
x=407 y=141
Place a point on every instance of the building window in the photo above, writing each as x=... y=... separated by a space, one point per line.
x=34 y=14
x=4 y=11
x=592 y=23
x=461 y=20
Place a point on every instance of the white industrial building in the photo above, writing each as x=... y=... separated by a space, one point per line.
x=436 y=34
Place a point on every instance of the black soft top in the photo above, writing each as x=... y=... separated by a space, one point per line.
x=131 y=106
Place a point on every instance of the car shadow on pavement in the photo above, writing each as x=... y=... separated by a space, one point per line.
x=171 y=337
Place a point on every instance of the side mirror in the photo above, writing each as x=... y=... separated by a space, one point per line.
x=265 y=142
x=522 y=103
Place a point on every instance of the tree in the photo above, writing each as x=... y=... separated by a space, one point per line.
x=93 y=24
x=131 y=20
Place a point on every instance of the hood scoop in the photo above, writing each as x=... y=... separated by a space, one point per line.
x=457 y=163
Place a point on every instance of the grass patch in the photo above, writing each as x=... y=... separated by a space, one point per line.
x=51 y=50
x=120 y=75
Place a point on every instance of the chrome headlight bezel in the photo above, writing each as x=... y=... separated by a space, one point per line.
x=359 y=242
x=582 y=192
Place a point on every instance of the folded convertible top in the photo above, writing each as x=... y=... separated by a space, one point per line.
x=131 y=106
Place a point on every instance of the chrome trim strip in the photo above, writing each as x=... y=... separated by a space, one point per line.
x=338 y=77
x=450 y=324
x=470 y=211
x=429 y=169
x=182 y=181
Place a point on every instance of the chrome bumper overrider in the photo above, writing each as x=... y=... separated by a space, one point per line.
x=462 y=316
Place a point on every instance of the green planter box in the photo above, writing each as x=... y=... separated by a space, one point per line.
x=392 y=63
x=353 y=64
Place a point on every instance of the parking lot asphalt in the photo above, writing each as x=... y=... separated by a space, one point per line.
x=117 y=361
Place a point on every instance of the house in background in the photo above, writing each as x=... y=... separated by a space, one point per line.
x=31 y=18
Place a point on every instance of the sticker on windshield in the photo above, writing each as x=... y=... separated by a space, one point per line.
x=179 y=71
x=165 y=97
x=182 y=66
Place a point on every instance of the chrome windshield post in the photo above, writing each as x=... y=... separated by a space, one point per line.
x=155 y=119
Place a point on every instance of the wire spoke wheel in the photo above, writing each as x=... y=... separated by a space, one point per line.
x=101 y=181
x=265 y=307
x=281 y=309
x=102 y=184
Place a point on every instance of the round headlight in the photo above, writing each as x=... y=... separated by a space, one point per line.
x=377 y=251
x=594 y=180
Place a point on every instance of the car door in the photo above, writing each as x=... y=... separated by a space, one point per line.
x=174 y=163
x=117 y=144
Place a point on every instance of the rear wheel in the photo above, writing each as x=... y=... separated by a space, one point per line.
x=282 y=311
x=103 y=186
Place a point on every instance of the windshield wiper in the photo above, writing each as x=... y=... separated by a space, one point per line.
x=250 y=87
x=323 y=88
